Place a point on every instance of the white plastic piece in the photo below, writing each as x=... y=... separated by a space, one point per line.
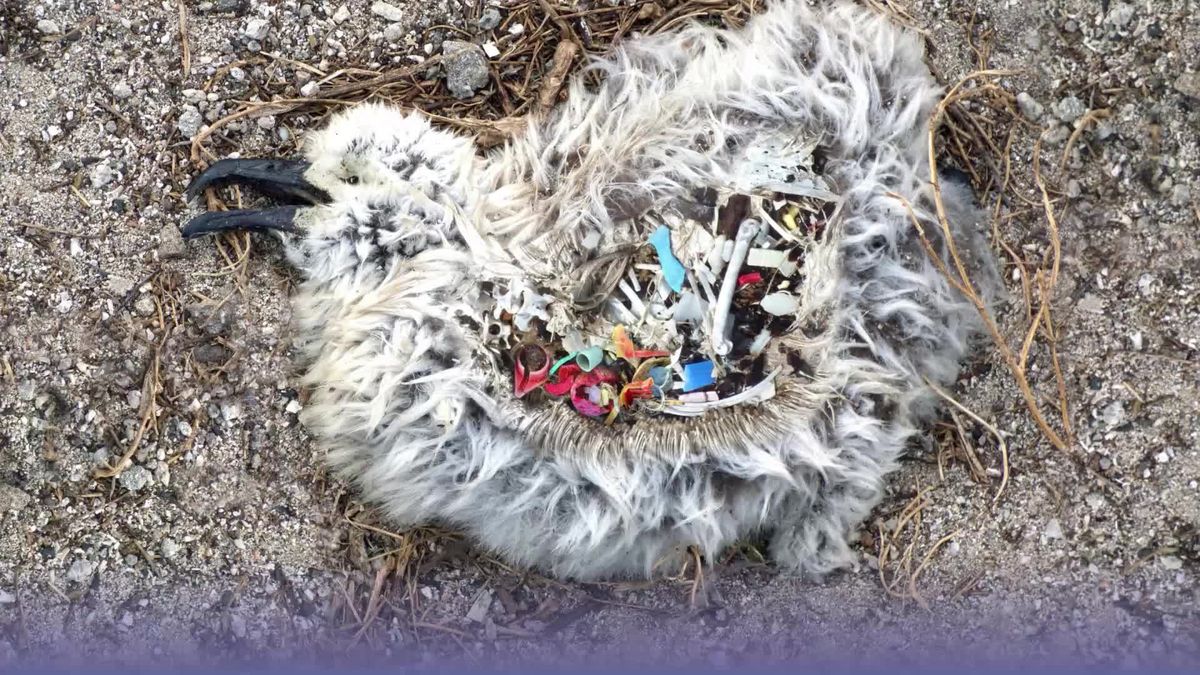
x=635 y=303
x=746 y=233
x=715 y=259
x=760 y=342
x=727 y=250
x=780 y=304
x=765 y=257
x=760 y=392
x=699 y=397
x=788 y=268
x=689 y=309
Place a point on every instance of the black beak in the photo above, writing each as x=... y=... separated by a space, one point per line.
x=281 y=179
x=263 y=220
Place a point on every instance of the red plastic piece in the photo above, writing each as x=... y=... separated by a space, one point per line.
x=529 y=373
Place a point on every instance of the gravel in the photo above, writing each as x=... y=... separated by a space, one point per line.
x=236 y=541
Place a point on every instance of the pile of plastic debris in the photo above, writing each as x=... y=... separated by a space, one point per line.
x=680 y=323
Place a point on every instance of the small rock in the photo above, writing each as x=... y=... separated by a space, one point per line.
x=144 y=305
x=256 y=29
x=118 y=286
x=12 y=499
x=81 y=570
x=122 y=90
x=169 y=548
x=1095 y=500
x=210 y=354
x=48 y=27
x=393 y=32
x=1113 y=414
x=491 y=50
x=1137 y=341
x=466 y=68
x=7 y=598
x=1069 y=109
x=170 y=242
x=1121 y=14
x=1188 y=84
x=1181 y=195
x=342 y=15
x=266 y=122
x=479 y=608
x=1170 y=562
x=236 y=623
x=101 y=174
x=1030 y=108
x=230 y=411
x=1053 y=529
x=1162 y=457
x=189 y=121
x=135 y=478
x=1091 y=303
x=489 y=19
x=310 y=89
x=388 y=11
x=294 y=407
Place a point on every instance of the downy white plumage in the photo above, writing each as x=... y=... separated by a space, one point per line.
x=410 y=226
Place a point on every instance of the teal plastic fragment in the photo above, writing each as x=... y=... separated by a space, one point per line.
x=589 y=358
x=561 y=362
x=672 y=269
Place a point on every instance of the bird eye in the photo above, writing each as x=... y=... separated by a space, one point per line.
x=353 y=180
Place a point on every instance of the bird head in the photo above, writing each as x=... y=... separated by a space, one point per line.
x=363 y=152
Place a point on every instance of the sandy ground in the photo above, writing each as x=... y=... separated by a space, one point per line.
x=226 y=539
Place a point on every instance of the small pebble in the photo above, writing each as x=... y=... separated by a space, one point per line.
x=135 y=478
x=388 y=11
x=12 y=499
x=48 y=27
x=1069 y=109
x=256 y=29
x=342 y=15
x=122 y=90
x=489 y=18
x=81 y=570
x=1029 y=107
x=189 y=121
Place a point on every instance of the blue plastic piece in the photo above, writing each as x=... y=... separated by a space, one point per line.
x=661 y=376
x=697 y=375
x=672 y=269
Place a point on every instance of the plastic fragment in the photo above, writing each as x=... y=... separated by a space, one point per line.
x=589 y=358
x=699 y=397
x=760 y=392
x=747 y=232
x=672 y=269
x=689 y=309
x=580 y=399
x=789 y=216
x=635 y=390
x=623 y=346
x=765 y=257
x=661 y=376
x=788 y=268
x=531 y=368
x=564 y=379
x=697 y=375
x=561 y=362
x=760 y=342
x=751 y=278
x=780 y=304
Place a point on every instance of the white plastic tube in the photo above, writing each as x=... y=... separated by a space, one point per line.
x=746 y=234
